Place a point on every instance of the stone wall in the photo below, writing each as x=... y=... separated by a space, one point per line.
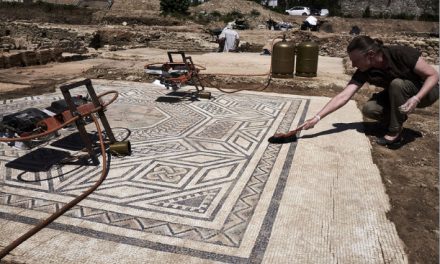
x=28 y=58
x=24 y=44
x=24 y=36
x=429 y=47
x=415 y=8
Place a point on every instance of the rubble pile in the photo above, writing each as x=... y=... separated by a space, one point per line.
x=331 y=45
x=118 y=39
x=334 y=46
x=428 y=46
x=243 y=7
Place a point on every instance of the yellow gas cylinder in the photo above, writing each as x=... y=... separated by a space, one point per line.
x=307 y=59
x=283 y=59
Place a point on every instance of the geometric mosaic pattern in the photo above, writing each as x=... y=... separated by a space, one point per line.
x=197 y=173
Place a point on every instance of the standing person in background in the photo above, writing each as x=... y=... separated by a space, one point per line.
x=228 y=39
x=408 y=83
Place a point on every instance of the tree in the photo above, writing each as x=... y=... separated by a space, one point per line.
x=174 y=7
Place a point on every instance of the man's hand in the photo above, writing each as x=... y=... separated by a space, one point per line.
x=310 y=123
x=410 y=105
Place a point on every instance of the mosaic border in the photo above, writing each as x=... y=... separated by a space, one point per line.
x=89 y=213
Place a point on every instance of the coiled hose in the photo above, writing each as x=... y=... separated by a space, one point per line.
x=74 y=202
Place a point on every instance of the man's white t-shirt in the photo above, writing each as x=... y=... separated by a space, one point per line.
x=312 y=20
x=230 y=36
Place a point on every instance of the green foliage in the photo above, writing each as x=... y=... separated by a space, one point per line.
x=10 y=4
x=205 y=18
x=383 y=15
x=259 y=2
x=235 y=14
x=174 y=7
x=232 y=16
x=334 y=8
x=347 y=15
x=403 y=16
x=195 y=3
x=201 y=18
x=215 y=14
x=367 y=12
x=255 y=13
x=429 y=17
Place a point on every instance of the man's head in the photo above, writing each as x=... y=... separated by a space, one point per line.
x=363 y=52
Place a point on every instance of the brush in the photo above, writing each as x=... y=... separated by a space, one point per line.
x=281 y=138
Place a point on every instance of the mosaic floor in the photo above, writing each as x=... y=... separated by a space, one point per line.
x=196 y=183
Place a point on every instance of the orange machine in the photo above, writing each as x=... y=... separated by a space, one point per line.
x=174 y=74
x=35 y=123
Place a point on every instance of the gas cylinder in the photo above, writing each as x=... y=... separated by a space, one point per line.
x=307 y=59
x=283 y=59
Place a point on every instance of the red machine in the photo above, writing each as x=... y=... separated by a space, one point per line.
x=174 y=75
x=43 y=124
x=33 y=123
